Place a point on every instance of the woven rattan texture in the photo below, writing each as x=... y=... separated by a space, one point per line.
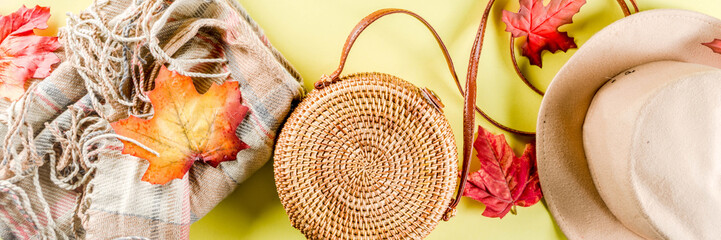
x=367 y=157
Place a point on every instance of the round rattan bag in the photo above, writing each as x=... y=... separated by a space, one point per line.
x=367 y=156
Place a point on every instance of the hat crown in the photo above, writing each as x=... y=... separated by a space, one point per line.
x=569 y=188
x=652 y=137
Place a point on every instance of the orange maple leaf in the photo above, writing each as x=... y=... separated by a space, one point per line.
x=186 y=127
x=23 y=55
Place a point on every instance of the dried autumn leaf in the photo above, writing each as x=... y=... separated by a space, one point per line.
x=714 y=45
x=23 y=55
x=504 y=180
x=186 y=127
x=540 y=25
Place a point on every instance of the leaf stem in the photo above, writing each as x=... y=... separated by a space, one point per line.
x=518 y=69
x=127 y=139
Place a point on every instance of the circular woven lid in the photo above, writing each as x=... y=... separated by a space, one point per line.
x=366 y=157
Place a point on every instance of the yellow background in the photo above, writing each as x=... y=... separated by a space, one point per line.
x=310 y=33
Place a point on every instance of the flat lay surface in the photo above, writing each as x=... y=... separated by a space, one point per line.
x=310 y=34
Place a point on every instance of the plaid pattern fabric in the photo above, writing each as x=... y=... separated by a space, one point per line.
x=114 y=202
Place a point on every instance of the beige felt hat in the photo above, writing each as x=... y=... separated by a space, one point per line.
x=629 y=132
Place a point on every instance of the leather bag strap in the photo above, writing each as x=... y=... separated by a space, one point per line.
x=362 y=25
x=469 y=98
x=469 y=104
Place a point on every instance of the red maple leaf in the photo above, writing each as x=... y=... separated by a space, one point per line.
x=23 y=55
x=504 y=180
x=187 y=127
x=714 y=45
x=540 y=25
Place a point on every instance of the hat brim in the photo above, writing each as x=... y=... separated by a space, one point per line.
x=648 y=36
